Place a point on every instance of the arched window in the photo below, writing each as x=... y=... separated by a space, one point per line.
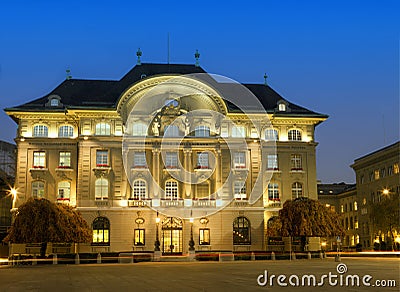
x=101 y=189
x=238 y=132
x=202 y=131
x=101 y=231
x=171 y=189
x=297 y=190
x=139 y=189
x=66 y=131
x=241 y=231
x=294 y=135
x=139 y=129
x=38 y=189
x=103 y=129
x=273 y=192
x=40 y=131
x=64 y=190
x=171 y=131
x=271 y=134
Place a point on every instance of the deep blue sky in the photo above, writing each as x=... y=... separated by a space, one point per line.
x=337 y=57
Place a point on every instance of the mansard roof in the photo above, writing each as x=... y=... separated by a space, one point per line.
x=104 y=94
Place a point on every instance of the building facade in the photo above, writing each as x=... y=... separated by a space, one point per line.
x=142 y=172
x=377 y=176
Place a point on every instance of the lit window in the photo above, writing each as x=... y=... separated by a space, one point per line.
x=355 y=206
x=65 y=159
x=101 y=158
x=238 y=132
x=101 y=189
x=202 y=160
x=66 y=131
x=39 y=159
x=101 y=231
x=294 y=135
x=239 y=160
x=204 y=236
x=103 y=129
x=271 y=135
x=38 y=189
x=355 y=222
x=376 y=174
x=40 y=131
x=202 y=131
x=171 y=102
x=171 y=131
x=139 y=237
x=282 y=107
x=297 y=190
x=272 y=162
x=396 y=168
x=171 y=190
x=341 y=208
x=241 y=231
x=64 y=190
x=295 y=161
x=273 y=192
x=139 y=159
x=171 y=160
x=239 y=190
x=139 y=189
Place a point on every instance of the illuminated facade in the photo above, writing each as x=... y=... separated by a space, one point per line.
x=69 y=151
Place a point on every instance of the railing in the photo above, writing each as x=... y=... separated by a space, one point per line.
x=138 y=203
x=204 y=203
x=171 y=203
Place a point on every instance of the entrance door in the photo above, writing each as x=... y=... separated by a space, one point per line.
x=172 y=236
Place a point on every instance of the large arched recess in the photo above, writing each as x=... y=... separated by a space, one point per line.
x=194 y=94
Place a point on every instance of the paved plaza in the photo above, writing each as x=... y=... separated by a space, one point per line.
x=199 y=276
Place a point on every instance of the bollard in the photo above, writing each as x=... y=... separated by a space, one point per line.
x=77 y=260
x=309 y=255
x=99 y=258
x=253 y=256
x=54 y=259
x=273 y=256
x=34 y=261
x=321 y=255
x=293 y=256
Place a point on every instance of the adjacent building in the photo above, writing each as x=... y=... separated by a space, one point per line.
x=86 y=144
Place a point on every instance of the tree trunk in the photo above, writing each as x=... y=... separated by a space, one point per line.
x=43 y=249
x=303 y=242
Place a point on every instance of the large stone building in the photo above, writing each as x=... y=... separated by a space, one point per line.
x=377 y=176
x=139 y=173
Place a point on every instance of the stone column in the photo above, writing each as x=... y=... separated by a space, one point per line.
x=156 y=170
x=187 y=163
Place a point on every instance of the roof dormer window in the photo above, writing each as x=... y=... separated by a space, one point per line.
x=53 y=101
x=282 y=106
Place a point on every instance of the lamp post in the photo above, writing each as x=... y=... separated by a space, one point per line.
x=191 y=241
x=157 y=242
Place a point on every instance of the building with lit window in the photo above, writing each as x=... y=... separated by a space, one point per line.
x=377 y=176
x=70 y=151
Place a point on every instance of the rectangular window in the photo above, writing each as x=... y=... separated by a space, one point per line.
x=239 y=160
x=239 y=190
x=39 y=159
x=139 y=159
x=171 y=160
x=376 y=174
x=202 y=131
x=272 y=162
x=239 y=132
x=396 y=168
x=390 y=170
x=65 y=159
x=204 y=236
x=296 y=163
x=273 y=192
x=102 y=158
x=202 y=160
x=139 y=237
x=101 y=236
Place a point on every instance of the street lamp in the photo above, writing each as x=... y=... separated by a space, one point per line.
x=191 y=241
x=385 y=192
x=157 y=242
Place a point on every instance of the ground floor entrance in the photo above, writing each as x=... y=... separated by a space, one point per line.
x=172 y=236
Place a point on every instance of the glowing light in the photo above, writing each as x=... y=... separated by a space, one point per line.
x=191 y=220
x=323 y=244
x=385 y=192
x=86 y=137
x=157 y=220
